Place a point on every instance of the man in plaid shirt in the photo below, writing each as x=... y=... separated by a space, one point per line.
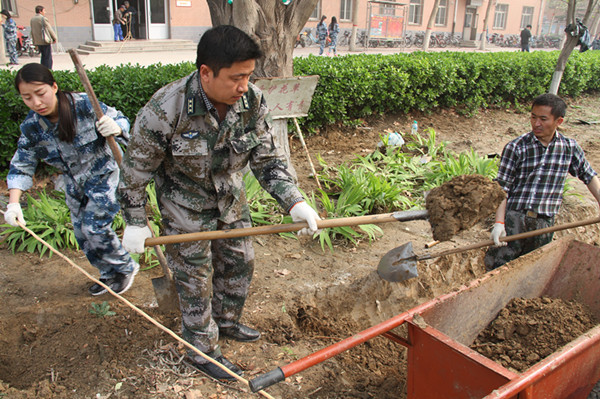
x=532 y=171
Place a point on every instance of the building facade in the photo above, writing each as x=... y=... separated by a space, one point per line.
x=78 y=21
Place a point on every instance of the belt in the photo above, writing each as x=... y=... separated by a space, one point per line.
x=535 y=215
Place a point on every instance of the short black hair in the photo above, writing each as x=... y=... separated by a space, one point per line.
x=557 y=105
x=528 y=26
x=6 y=13
x=39 y=9
x=221 y=46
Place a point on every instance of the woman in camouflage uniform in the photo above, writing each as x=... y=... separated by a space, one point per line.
x=10 y=37
x=61 y=130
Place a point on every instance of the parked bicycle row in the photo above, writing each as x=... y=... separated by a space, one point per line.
x=544 y=41
x=410 y=39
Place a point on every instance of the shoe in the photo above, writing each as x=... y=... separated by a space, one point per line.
x=240 y=332
x=123 y=281
x=214 y=371
x=96 y=289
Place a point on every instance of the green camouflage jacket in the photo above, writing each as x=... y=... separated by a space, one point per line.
x=198 y=163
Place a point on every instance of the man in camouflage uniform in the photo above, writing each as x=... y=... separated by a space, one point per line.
x=195 y=137
x=532 y=171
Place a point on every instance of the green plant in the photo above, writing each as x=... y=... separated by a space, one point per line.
x=49 y=218
x=102 y=310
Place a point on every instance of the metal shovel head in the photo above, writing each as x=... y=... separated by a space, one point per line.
x=166 y=294
x=399 y=264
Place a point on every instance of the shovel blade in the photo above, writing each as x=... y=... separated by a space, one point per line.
x=399 y=264
x=166 y=294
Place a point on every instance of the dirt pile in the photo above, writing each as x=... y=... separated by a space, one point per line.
x=461 y=203
x=528 y=330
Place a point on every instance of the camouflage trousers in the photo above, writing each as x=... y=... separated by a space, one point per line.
x=212 y=277
x=516 y=222
x=93 y=210
x=11 y=51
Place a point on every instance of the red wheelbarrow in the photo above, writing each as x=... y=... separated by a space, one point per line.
x=440 y=363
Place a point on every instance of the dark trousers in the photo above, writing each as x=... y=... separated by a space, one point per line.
x=46 y=52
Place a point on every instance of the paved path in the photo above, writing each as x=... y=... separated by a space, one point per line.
x=62 y=61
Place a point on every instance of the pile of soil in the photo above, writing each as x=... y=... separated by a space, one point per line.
x=528 y=330
x=461 y=203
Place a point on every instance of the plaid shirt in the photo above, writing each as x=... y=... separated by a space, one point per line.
x=533 y=176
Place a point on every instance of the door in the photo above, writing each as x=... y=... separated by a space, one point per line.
x=102 y=13
x=470 y=27
x=158 y=27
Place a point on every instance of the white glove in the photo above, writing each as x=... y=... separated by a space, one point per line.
x=108 y=127
x=302 y=212
x=14 y=213
x=498 y=232
x=134 y=238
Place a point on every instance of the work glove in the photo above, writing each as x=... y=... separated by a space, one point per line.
x=14 y=213
x=108 y=127
x=134 y=238
x=302 y=212
x=498 y=232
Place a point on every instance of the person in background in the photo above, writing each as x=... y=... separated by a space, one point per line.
x=525 y=37
x=130 y=15
x=533 y=169
x=194 y=138
x=334 y=30
x=10 y=37
x=39 y=23
x=322 y=34
x=61 y=129
x=118 y=23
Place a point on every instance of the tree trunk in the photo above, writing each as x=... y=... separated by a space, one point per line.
x=485 y=25
x=427 y=37
x=354 y=25
x=271 y=23
x=569 y=43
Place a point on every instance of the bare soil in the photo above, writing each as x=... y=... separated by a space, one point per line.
x=529 y=329
x=302 y=299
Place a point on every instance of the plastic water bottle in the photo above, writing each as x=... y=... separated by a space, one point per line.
x=414 y=128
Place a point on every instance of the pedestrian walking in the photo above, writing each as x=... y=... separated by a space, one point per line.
x=525 y=37
x=322 y=34
x=10 y=37
x=43 y=35
x=61 y=130
x=334 y=30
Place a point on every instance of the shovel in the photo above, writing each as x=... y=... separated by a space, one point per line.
x=164 y=287
x=402 y=216
x=400 y=263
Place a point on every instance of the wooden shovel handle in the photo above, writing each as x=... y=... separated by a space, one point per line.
x=289 y=227
x=515 y=237
x=114 y=147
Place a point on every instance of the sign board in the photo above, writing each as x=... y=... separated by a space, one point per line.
x=386 y=26
x=288 y=97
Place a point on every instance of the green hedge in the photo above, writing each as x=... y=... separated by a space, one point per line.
x=350 y=87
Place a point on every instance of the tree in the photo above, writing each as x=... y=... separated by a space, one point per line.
x=486 y=22
x=570 y=43
x=432 y=16
x=271 y=23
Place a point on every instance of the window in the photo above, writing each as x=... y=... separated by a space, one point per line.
x=415 y=12
x=500 y=16
x=442 y=12
x=346 y=10
x=387 y=9
x=527 y=17
x=317 y=12
x=11 y=6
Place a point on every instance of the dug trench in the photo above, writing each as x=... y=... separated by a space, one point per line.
x=302 y=298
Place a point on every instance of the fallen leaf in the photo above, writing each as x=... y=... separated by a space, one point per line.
x=282 y=272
